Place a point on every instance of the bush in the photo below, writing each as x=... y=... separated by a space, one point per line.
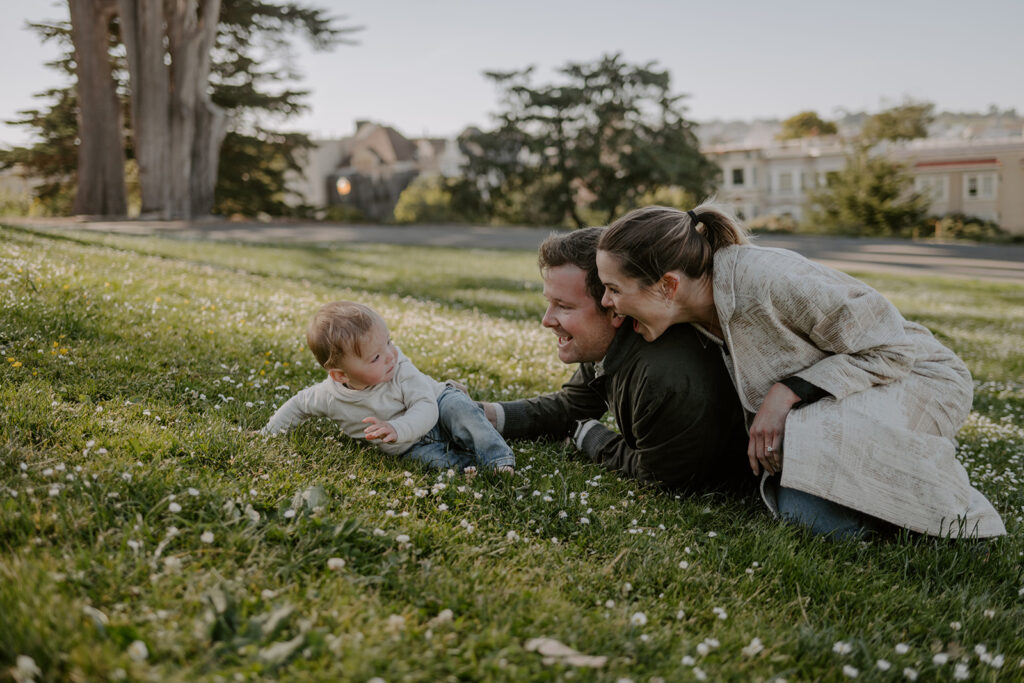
x=780 y=223
x=427 y=199
x=343 y=214
x=960 y=226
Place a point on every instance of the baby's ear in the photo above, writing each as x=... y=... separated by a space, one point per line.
x=337 y=375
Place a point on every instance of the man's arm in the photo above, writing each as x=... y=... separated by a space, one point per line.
x=552 y=415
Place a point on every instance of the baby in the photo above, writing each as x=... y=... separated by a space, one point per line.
x=374 y=392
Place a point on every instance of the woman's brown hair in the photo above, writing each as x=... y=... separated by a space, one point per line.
x=654 y=240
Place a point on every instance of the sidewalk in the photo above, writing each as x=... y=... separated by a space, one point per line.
x=977 y=261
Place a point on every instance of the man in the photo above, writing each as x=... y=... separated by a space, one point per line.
x=680 y=420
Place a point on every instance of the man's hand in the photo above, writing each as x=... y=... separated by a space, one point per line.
x=768 y=428
x=490 y=413
x=380 y=430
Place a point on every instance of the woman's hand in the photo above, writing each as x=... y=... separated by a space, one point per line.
x=768 y=428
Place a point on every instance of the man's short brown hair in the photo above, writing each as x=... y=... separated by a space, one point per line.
x=577 y=248
x=338 y=329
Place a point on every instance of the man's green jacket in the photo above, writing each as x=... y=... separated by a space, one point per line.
x=680 y=420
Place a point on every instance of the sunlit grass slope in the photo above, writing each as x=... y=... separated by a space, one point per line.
x=147 y=532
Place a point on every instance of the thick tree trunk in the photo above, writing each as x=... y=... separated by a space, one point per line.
x=182 y=25
x=211 y=121
x=142 y=30
x=101 y=189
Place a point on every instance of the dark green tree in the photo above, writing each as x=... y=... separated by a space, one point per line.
x=905 y=122
x=871 y=196
x=606 y=134
x=806 y=124
x=251 y=77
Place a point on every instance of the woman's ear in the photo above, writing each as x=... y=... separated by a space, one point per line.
x=670 y=285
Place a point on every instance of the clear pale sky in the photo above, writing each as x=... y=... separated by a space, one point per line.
x=418 y=63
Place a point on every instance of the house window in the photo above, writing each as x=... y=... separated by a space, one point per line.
x=980 y=185
x=785 y=182
x=737 y=177
x=932 y=186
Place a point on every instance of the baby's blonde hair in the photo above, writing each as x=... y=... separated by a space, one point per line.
x=338 y=329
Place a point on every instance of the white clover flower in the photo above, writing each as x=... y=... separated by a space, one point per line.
x=851 y=671
x=703 y=649
x=902 y=648
x=688 y=660
x=289 y=513
x=54 y=491
x=989 y=613
x=402 y=538
x=841 y=647
x=753 y=648
x=138 y=652
x=940 y=659
x=955 y=625
x=720 y=613
x=172 y=565
x=997 y=662
x=477 y=495
x=699 y=674
x=712 y=534
x=26 y=668
x=883 y=665
x=336 y=564
x=174 y=507
x=206 y=537
x=171 y=532
x=193 y=492
x=961 y=672
x=584 y=520
x=910 y=674
x=378 y=532
x=396 y=622
x=512 y=535
x=127 y=476
x=980 y=649
x=442 y=507
x=680 y=615
x=562 y=514
x=683 y=564
x=638 y=619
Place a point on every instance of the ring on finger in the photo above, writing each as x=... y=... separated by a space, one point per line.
x=769 y=449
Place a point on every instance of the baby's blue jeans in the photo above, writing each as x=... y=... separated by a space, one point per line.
x=462 y=437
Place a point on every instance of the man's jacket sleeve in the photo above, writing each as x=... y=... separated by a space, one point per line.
x=555 y=415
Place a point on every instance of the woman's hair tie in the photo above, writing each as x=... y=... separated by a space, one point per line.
x=693 y=217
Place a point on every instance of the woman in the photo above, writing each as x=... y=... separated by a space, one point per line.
x=855 y=406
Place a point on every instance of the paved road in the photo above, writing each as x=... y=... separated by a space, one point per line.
x=981 y=261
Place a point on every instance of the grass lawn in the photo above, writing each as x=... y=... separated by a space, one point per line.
x=147 y=532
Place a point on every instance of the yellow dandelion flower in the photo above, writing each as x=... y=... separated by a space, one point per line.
x=17 y=364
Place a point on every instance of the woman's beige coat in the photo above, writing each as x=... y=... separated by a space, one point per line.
x=885 y=444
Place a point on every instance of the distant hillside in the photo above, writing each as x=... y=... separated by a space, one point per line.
x=994 y=123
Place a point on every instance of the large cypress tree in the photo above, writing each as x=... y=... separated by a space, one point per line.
x=196 y=148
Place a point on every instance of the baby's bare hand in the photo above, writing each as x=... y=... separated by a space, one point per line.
x=380 y=430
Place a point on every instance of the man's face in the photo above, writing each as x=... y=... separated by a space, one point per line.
x=584 y=331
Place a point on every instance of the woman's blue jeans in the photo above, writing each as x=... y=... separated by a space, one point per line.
x=825 y=518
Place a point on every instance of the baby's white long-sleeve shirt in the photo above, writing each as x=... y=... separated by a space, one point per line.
x=408 y=401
